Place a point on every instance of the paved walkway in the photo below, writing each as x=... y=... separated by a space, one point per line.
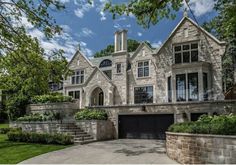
x=122 y=151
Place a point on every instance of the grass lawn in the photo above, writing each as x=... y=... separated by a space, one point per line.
x=4 y=125
x=15 y=152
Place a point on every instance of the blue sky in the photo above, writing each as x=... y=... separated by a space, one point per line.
x=94 y=29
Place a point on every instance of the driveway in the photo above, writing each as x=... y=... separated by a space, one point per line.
x=122 y=151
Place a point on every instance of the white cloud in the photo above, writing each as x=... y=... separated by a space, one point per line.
x=83 y=6
x=103 y=17
x=156 y=44
x=85 y=32
x=139 y=34
x=201 y=7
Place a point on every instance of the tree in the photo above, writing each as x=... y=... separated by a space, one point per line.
x=147 y=12
x=132 y=46
x=223 y=27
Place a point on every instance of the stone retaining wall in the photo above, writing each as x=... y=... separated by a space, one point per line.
x=99 y=129
x=181 y=111
x=66 y=109
x=200 y=149
x=40 y=127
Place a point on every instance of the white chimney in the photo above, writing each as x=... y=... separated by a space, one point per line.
x=120 y=41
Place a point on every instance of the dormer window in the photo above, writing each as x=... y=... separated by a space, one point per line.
x=186 y=53
x=143 y=69
x=77 y=77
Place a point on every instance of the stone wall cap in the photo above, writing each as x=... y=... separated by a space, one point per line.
x=37 y=104
x=202 y=135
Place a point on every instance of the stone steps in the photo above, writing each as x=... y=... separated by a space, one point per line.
x=80 y=136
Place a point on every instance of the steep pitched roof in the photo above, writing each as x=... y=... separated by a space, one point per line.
x=78 y=52
x=141 y=45
x=195 y=24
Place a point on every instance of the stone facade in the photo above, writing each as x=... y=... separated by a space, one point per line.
x=99 y=129
x=122 y=67
x=181 y=111
x=201 y=149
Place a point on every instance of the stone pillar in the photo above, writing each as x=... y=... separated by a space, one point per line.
x=124 y=40
x=120 y=43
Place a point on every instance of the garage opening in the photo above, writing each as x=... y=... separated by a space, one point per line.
x=144 y=126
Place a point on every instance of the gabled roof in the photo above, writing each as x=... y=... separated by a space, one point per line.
x=195 y=24
x=78 y=52
x=141 y=45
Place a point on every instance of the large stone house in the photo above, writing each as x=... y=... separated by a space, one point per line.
x=186 y=68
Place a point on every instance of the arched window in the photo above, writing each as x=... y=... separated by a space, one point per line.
x=105 y=63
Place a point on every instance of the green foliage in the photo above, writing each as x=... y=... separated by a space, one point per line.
x=47 y=116
x=49 y=98
x=44 y=138
x=222 y=125
x=132 y=46
x=91 y=114
x=6 y=130
x=223 y=26
x=146 y=12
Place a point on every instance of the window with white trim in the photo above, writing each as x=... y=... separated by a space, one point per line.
x=143 y=69
x=77 y=77
x=74 y=94
x=186 y=53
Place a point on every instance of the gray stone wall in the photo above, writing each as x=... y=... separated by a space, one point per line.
x=99 y=129
x=182 y=111
x=201 y=149
x=66 y=109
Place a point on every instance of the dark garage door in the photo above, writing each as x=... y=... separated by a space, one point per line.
x=144 y=126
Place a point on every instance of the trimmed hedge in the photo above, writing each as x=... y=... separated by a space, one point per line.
x=91 y=114
x=6 y=130
x=44 y=138
x=47 y=116
x=220 y=125
x=51 y=99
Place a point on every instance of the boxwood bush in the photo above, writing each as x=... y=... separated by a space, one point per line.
x=221 y=125
x=46 y=116
x=44 y=138
x=50 y=98
x=91 y=114
x=6 y=130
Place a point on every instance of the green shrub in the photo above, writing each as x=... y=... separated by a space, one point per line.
x=222 y=125
x=46 y=116
x=6 y=130
x=51 y=98
x=91 y=114
x=44 y=138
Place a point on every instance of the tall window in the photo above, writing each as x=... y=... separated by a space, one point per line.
x=181 y=87
x=78 y=77
x=205 y=86
x=169 y=89
x=193 y=86
x=143 y=69
x=118 y=68
x=143 y=95
x=186 y=53
x=74 y=94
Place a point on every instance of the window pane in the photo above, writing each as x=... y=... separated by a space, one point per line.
x=146 y=63
x=185 y=47
x=82 y=79
x=77 y=94
x=140 y=72
x=146 y=71
x=194 y=56
x=140 y=64
x=78 y=72
x=205 y=86
x=194 y=46
x=118 y=68
x=192 y=86
x=180 y=87
x=82 y=71
x=169 y=89
x=70 y=93
x=73 y=80
x=143 y=95
x=108 y=73
x=177 y=48
x=178 y=58
x=78 y=80
x=186 y=57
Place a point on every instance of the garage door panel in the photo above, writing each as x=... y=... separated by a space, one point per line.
x=144 y=126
